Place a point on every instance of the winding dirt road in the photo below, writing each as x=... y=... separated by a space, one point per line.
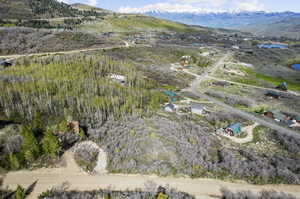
x=78 y=180
x=126 y=45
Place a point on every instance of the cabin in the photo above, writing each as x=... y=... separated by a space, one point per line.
x=172 y=96
x=197 y=108
x=233 y=129
x=276 y=115
x=185 y=60
x=273 y=94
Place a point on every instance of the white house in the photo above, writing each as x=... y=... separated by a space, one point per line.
x=120 y=78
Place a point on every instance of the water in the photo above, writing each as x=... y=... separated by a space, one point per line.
x=296 y=67
x=280 y=46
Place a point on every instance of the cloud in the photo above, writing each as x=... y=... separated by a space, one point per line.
x=167 y=7
x=253 y=5
x=92 y=2
x=198 y=6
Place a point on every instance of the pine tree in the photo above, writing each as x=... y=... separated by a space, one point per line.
x=20 y=193
x=50 y=144
x=13 y=161
x=30 y=148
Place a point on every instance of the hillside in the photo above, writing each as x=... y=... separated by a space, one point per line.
x=84 y=7
x=32 y=9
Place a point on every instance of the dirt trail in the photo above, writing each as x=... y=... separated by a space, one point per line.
x=76 y=179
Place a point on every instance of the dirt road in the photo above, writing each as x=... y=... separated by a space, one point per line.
x=126 y=45
x=201 y=188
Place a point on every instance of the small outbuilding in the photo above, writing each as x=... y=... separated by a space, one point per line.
x=170 y=107
x=197 y=108
x=119 y=78
x=234 y=129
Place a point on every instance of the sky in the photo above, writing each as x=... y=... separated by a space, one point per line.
x=193 y=5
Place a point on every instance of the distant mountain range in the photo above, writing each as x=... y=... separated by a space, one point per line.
x=261 y=23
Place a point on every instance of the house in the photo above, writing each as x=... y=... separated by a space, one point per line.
x=282 y=86
x=172 y=96
x=119 y=78
x=185 y=60
x=276 y=115
x=297 y=118
x=234 y=129
x=5 y=63
x=197 y=108
x=273 y=94
x=170 y=107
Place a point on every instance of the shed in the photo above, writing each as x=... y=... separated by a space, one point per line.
x=197 y=108
x=170 y=107
x=234 y=129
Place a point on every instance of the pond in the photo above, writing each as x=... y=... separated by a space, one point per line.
x=280 y=46
x=296 y=67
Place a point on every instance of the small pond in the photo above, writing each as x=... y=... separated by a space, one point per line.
x=280 y=46
x=296 y=67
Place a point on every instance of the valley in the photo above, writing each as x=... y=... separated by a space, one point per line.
x=102 y=104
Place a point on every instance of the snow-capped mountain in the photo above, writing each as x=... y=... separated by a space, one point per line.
x=259 y=22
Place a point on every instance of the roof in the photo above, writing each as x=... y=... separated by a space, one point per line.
x=196 y=105
x=277 y=114
x=118 y=77
x=170 y=105
x=274 y=93
x=236 y=128
x=170 y=93
x=297 y=118
x=296 y=67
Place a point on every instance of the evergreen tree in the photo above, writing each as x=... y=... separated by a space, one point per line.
x=30 y=148
x=13 y=161
x=50 y=144
x=20 y=193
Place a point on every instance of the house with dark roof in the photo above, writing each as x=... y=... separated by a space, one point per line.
x=273 y=94
x=276 y=115
x=234 y=129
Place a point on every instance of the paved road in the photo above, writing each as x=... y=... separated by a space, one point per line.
x=194 y=89
x=78 y=180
